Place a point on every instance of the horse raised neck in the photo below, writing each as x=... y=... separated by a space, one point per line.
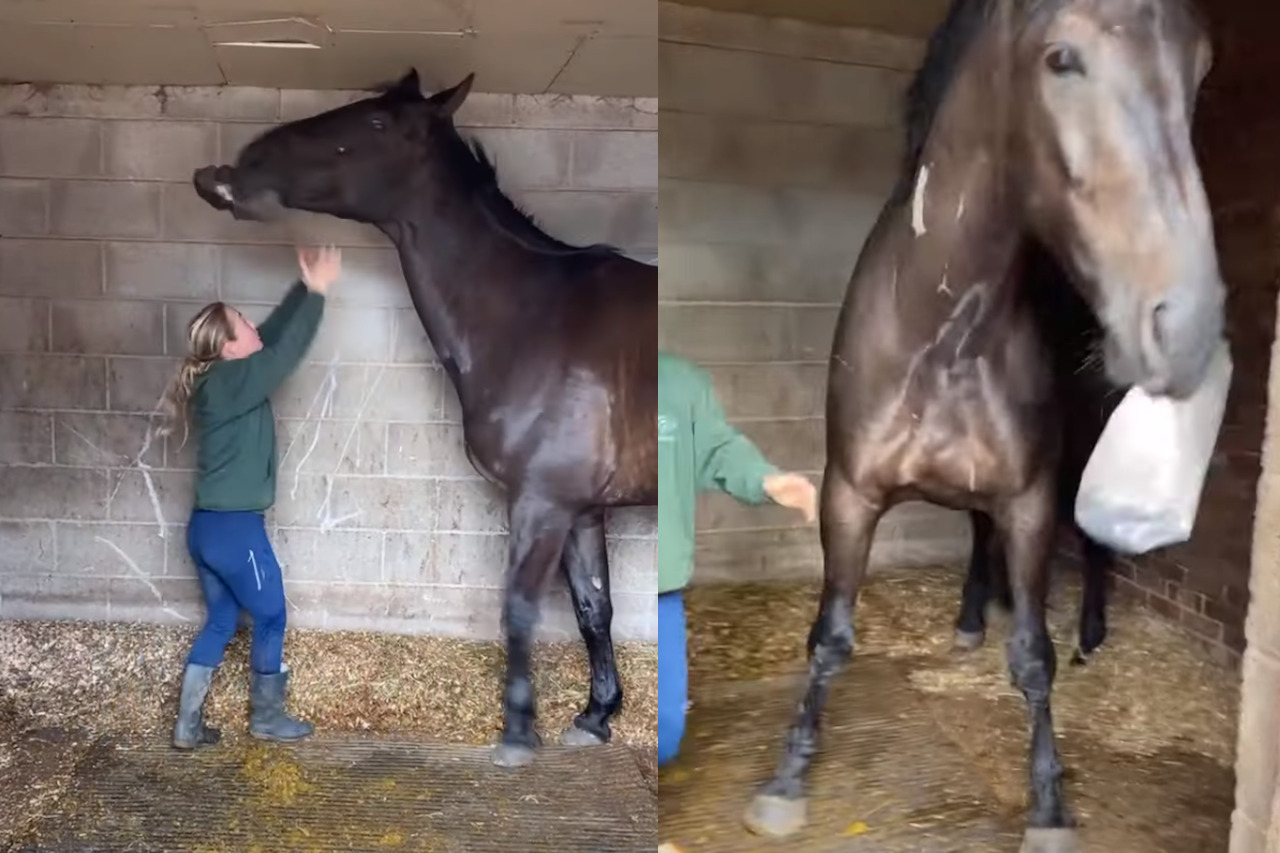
x=552 y=348
x=1054 y=124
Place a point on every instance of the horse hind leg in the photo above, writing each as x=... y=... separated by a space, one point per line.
x=585 y=564
x=1027 y=525
x=848 y=522
x=1093 y=602
x=971 y=624
x=538 y=533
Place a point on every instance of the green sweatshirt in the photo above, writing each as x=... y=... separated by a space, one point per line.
x=236 y=458
x=697 y=450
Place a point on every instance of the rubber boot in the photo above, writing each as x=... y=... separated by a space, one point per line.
x=267 y=719
x=190 y=732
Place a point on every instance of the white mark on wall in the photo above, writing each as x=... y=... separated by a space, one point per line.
x=144 y=468
x=960 y=208
x=137 y=570
x=917 y=202
x=323 y=398
x=942 y=285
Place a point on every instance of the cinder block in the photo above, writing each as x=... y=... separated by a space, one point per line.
x=26 y=438
x=137 y=384
x=370 y=277
x=150 y=497
x=333 y=556
x=527 y=159
x=24 y=207
x=793 y=445
x=301 y=103
x=427 y=450
x=110 y=550
x=409 y=341
x=635 y=618
x=615 y=160
x=632 y=521
x=330 y=447
x=744 y=334
x=50 y=148
x=26 y=547
x=339 y=390
x=797 y=219
x=586 y=112
x=240 y=103
x=757 y=555
x=471 y=506
x=162 y=270
x=50 y=268
x=771 y=390
x=1246 y=837
x=410 y=394
x=94 y=440
x=364 y=502
x=108 y=328
x=624 y=219
x=79 y=101
x=47 y=493
x=104 y=209
x=168 y=601
x=474 y=561
x=234 y=136
x=52 y=382
x=24 y=325
x=722 y=272
x=1256 y=760
x=633 y=566
x=451 y=408
x=53 y=597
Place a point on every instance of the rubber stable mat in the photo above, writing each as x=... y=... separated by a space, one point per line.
x=350 y=795
x=885 y=779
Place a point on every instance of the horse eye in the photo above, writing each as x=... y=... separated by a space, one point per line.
x=1064 y=60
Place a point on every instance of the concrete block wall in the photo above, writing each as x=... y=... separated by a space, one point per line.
x=781 y=141
x=106 y=252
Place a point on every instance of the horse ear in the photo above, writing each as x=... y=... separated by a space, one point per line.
x=408 y=86
x=448 y=100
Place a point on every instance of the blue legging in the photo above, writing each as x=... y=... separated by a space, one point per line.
x=237 y=570
x=673 y=675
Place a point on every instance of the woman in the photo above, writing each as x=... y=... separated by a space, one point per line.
x=699 y=450
x=224 y=386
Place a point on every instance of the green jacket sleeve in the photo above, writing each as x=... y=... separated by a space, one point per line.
x=725 y=458
x=242 y=384
x=269 y=329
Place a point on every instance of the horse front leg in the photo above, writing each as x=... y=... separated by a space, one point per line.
x=1027 y=525
x=848 y=522
x=538 y=532
x=586 y=567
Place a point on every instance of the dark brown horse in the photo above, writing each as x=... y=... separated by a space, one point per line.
x=1058 y=123
x=552 y=348
x=1073 y=338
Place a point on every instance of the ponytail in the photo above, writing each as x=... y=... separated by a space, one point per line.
x=207 y=333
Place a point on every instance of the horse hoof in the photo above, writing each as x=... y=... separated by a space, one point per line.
x=970 y=641
x=511 y=755
x=574 y=736
x=1049 y=841
x=776 y=816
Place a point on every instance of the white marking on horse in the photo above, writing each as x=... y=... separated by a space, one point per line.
x=960 y=208
x=917 y=202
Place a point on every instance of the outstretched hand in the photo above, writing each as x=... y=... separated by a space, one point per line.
x=794 y=491
x=320 y=267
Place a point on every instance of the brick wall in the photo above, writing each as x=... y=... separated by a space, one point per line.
x=780 y=144
x=105 y=253
x=1205 y=583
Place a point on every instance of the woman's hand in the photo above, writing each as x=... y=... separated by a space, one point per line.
x=794 y=491
x=320 y=267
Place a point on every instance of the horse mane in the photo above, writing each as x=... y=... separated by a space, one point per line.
x=471 y=164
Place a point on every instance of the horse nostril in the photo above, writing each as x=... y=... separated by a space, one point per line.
x=1159 y=317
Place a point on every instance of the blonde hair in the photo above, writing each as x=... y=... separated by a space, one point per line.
x=207 y=333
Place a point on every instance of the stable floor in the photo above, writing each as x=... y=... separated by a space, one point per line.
x=924 y=749
x=353 y=795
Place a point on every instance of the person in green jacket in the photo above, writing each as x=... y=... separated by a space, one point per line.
x=224 y=385
x=698 y=450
